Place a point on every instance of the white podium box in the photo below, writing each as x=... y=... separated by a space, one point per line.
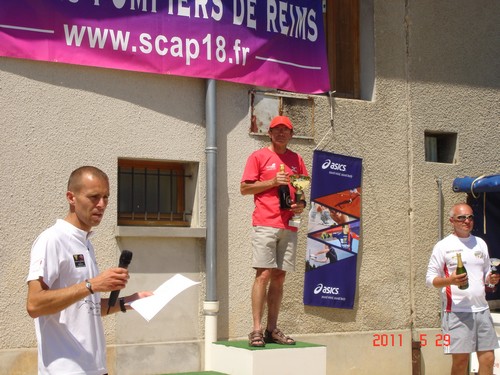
x=236 y=358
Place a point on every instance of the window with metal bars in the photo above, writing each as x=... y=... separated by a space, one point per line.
x=152 y=193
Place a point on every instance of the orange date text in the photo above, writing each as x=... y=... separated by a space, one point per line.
x=396 y=340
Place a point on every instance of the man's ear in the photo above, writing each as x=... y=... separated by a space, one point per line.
x=70 y=197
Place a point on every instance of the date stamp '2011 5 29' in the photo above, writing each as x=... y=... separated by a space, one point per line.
x=396 y=340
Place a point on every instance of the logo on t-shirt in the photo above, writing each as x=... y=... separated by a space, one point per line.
x=93 y=308
x=271 y=167
x=79 y=260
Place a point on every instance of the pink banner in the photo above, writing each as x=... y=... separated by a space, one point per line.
x=270 y=43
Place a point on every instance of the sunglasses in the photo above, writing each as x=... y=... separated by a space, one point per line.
x=464 y=217
x=281 y=130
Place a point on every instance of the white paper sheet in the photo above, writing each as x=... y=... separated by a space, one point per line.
x=150 y=306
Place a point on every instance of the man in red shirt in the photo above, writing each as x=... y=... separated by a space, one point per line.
x=274 y=241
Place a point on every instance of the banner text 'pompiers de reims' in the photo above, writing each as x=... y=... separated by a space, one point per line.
x=270 y=43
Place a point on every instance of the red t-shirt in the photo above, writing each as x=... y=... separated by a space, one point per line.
x=263 y=165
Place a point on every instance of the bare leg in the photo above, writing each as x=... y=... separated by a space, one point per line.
x=460 y=363
x=259 y=296
x=486 y=361
x=274 y=297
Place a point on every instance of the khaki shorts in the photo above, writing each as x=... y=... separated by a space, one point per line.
x=469 y=332
x=274 y=248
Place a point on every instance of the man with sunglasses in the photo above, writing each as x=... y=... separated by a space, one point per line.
x=466 y=317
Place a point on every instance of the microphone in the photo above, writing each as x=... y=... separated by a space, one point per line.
x=125 y=259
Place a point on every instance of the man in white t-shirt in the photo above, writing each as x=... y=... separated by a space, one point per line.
x=64 y=283
x=466 y=319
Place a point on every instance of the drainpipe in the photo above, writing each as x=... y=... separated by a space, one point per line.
x=439 y=181
x=211 y=305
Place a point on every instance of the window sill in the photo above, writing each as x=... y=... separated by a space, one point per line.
x=172 y=232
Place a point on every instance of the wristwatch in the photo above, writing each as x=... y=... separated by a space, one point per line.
x=122 y=305
x=88 y=285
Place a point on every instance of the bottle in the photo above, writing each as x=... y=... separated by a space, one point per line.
x=494 y=264
x=460 y=270
x=284 y=193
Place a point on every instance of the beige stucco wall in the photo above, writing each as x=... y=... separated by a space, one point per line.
x=436 y=67
x=454 y=88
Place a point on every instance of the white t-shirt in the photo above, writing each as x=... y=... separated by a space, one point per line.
x=476 y=260
x=71 y=341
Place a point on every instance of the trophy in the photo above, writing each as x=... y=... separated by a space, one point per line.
x=299 y=182
x=494 y=263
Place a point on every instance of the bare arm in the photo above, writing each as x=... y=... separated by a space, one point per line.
x=128 y=299
x=453 y=279
x=44 y=301
x=256 y=187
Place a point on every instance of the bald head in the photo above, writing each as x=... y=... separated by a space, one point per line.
x=456 y=208
x=76 y=177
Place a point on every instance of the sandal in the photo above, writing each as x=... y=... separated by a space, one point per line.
x=278 y=337
x=256 y=339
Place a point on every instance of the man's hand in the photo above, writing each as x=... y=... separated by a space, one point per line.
x=281 y=178
x=298 y=207
x=256 y=187
x=493 y=278
x=128 y=301
x=458 y=280
x=453 y=279
x=109 y=280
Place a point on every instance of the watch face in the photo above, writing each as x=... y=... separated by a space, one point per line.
x=88 y=285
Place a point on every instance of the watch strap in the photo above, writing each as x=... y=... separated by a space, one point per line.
x=88 y=285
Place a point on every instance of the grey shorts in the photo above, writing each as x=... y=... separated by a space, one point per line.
x=469 y=332
x=274 y=248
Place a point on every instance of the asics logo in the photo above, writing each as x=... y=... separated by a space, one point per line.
x=335 y=166
x=320 y=288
